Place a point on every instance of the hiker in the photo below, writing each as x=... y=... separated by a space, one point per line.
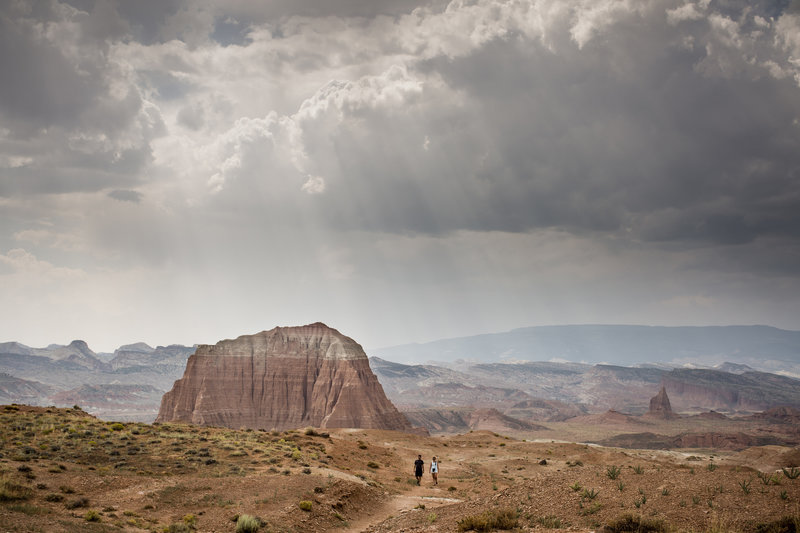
x=419 y=465
x=435 y=471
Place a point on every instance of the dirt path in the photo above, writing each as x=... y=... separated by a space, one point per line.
x=398 y=504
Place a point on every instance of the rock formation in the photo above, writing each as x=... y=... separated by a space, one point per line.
x=279 y=379
x=660 y=407
x=465 y=419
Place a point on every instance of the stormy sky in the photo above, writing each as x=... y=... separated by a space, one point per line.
x=176 y=171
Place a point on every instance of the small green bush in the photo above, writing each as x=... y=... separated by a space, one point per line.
x=613 y=472
x=92 y=516
x=745 y=485
x=589 y=494
x=767 y=478
x=373 y=464
x=116 y=426
x=305 y=505
x=247 y=524
x=792 y=473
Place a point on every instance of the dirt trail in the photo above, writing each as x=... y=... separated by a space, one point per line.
x=398 y=504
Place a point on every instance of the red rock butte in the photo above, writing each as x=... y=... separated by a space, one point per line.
x=284 y=378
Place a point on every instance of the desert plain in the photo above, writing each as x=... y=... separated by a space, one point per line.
x=65 y=470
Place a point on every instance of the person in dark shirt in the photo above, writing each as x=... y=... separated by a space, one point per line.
x=419 y=467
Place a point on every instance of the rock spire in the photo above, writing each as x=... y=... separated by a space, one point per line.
x=660 y=407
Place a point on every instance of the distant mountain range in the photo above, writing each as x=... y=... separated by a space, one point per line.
x=760 y=347
x=532 y=374
x=545 y=391
x=125 y=385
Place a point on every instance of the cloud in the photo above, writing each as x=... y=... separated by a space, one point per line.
x=124 y=195
x=554 y=145
x=22 y=269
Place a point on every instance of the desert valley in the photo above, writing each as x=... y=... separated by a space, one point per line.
x=289 y=430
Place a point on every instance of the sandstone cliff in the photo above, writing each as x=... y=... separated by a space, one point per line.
x=279 y=379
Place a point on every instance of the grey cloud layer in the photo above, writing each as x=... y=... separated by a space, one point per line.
x=382 y=141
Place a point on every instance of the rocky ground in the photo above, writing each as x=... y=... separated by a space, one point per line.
x=63 y=470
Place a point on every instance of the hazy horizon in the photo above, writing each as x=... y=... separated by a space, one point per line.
x=185 y=172
x=369 y=349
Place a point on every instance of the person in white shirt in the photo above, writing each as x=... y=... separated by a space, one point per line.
x=435 y=471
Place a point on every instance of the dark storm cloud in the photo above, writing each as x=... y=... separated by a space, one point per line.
x=146 y=17
x=126 y=195
x=69 y=121
x=39 y=87
x=643 y=132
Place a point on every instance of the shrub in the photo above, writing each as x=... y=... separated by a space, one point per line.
x=613 y=472
x=767 y=478
x=92 y=516
x=10 y=491
x=311 y=432
x=28 y=509
x=549 y=521
x=489 y=520
x=792 y=473
x=80 y=502
x=178 y=527
x=590 y=494
x=305 y=505
x=636 y=524
x=576 y=486
x=373 y=464
x=116 y=426
x=247 y=524
x=745 y=484
x=787 y=524
x=54 y=498
x=638 y=470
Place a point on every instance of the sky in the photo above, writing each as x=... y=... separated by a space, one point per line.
x=176 y=171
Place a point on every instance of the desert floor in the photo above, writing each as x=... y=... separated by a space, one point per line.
x=63 y=470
